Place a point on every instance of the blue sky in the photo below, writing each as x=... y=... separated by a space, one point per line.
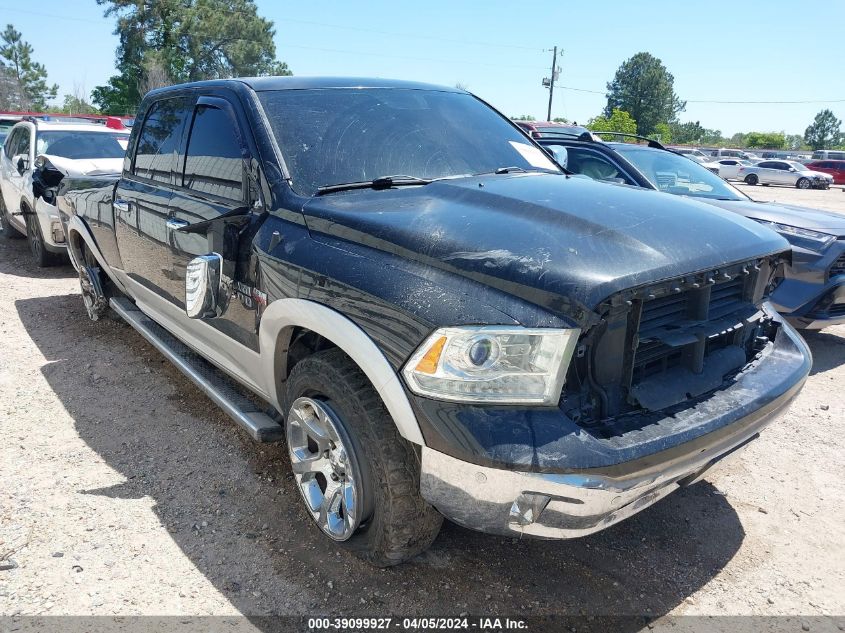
x=752 y=50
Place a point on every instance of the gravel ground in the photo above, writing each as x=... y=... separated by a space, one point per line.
x=832 y=199
x=126 y=491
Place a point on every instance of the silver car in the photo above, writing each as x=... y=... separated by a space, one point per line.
x=784 y=172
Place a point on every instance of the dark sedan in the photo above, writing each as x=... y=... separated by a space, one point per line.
x=812 y=293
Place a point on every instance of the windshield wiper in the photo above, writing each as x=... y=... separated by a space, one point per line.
x=384 y=182
x=501 y=170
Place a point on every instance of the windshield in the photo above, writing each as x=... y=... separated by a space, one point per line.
x=559 y=130
x=344 y=135
x=82 y=145
x=675 y=174
x=797 y=166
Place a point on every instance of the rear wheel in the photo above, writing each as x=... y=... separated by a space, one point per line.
x=6 y=229
x=358 y=477
x=37 y=246
x=751 y=179
x=803 y=183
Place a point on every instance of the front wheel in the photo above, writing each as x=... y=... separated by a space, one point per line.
x=37 y=246
x=803 y=183
x=751 y=179
x=358 y=477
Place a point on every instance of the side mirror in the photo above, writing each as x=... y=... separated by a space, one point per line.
x=203 y=283
x=560 y=153
x=22 y=164
x=792 y=169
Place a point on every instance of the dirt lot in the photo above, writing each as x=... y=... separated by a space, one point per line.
x=126 y=491
x=832 y=199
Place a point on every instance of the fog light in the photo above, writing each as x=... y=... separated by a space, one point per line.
x=58 y=232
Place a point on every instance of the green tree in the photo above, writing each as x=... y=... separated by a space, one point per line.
x=662 y=133
x=737 y=140
x=712 y=137
x=767 y=140
x=523 y=117
x=171 y=41
x=686 y=133
x=795 y=141
x=74 y=104
x=29 y=77
x=644 y=88
x=618 y=121
x=560 y=119
x=11 y=94
x=824 y=132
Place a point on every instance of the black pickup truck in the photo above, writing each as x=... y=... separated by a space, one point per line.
x=436 y=318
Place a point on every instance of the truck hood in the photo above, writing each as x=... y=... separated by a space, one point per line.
x=803 y=217
x=85 y=166
x=561 y=242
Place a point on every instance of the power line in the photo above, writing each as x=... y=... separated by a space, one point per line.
x=604 y=92
x=767 y=102
x=420 y=59
x=323 y=24
x=413 y=35
x=51 y=15
x=449 y=61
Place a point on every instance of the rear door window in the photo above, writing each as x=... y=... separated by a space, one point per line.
x=213 y=162
x=159 y=139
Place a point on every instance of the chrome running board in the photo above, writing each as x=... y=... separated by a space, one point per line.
x=216 y=385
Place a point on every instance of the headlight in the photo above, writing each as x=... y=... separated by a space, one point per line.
x=803 y=238
x=492 y=364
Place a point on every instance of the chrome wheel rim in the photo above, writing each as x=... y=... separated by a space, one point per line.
x=326 y=472
x=803 y=184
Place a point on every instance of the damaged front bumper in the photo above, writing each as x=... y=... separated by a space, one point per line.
x=812 y=296
x=51 y=226
x=582 y=501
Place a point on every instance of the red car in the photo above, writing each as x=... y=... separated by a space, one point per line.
x=537 y=129
x=835 y=168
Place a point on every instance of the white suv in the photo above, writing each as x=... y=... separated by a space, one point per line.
x=81 y=148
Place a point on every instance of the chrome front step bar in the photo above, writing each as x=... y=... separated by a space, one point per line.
x=203 y=374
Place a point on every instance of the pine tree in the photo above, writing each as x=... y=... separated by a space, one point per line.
x=26 y=77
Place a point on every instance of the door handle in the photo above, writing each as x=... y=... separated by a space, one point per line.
x=121 y=206
x=175 y=224
x=236 y=214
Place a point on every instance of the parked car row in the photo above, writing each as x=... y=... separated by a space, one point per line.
x=34 y=158
x=784 y=172
x=437 y=309
x=834 y=168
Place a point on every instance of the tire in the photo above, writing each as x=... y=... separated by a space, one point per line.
x=389 y=522
x=6 y=229
x=752 y=179
x=803 y=183
x=91 y=285
x=37 y=246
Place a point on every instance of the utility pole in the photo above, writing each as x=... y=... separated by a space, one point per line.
x=551 y=82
